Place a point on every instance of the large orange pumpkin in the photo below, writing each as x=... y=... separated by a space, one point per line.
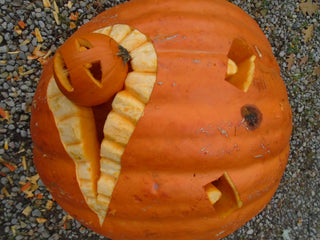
x=195 y=143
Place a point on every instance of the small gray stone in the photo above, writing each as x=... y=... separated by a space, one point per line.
x=4 y=49
x=24 y=48
x=36 y=213
x=10 y=68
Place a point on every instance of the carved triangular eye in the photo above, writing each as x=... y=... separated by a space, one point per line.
x=241 y=66
x=83 y=44
x=95 y=70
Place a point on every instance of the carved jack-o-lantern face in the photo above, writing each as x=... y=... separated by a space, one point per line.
x=191 y=147
x=90 y=69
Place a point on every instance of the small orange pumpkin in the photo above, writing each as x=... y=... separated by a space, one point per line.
x=84 y=74
x=195 y=143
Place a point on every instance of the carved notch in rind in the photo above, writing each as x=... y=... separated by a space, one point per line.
x=223 y=195
x=241 y=55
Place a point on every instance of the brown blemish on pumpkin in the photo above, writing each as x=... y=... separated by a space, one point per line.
x=251 y=116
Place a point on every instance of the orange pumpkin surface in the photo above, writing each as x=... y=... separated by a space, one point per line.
x=192 y=147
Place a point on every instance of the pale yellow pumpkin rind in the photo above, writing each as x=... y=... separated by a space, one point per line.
x=127 y=108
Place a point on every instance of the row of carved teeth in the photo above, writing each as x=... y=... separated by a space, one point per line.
x=127 y=108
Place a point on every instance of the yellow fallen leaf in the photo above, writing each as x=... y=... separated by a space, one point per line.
x=41 y=220
x=38 y=35
x=56 y=17
x=27 y=211
x=49 y=205
x=46 y=3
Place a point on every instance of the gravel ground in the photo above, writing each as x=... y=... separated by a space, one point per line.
x=26 y=207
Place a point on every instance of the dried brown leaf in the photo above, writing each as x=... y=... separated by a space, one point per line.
x=24 y=163
x=5 y=115
x=38 y=35
x=46 y=3
x=308 y=32
x=17 y=30
x=25 y=42
x=5 y=192
x=72 y=25
x=8 y=164
x=10 y=180
x=33 y=179
x=55 y=6
x=304 y=60
x=41 y=220
x=69 y=4
x=49 y=205
x=13 y=230
x=25 y=187
x=290 y=61
x=316 y=71
x=27 y=211
x=309 y=8
x=56 y=17
x=22 y=24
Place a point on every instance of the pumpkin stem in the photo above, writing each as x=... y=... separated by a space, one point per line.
x=124 y=54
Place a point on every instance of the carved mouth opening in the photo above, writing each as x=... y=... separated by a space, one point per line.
x=95 y=137
x=63 y=71
x=223 y=195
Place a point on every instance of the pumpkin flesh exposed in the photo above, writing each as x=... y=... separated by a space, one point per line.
x=98 y=173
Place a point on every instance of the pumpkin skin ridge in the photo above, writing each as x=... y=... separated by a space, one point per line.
x=202 y=178
x=141 y=234
x=123 y=17
x=150 y=110
x=189 y=223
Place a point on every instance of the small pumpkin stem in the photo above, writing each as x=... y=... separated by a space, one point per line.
x=123 y=52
